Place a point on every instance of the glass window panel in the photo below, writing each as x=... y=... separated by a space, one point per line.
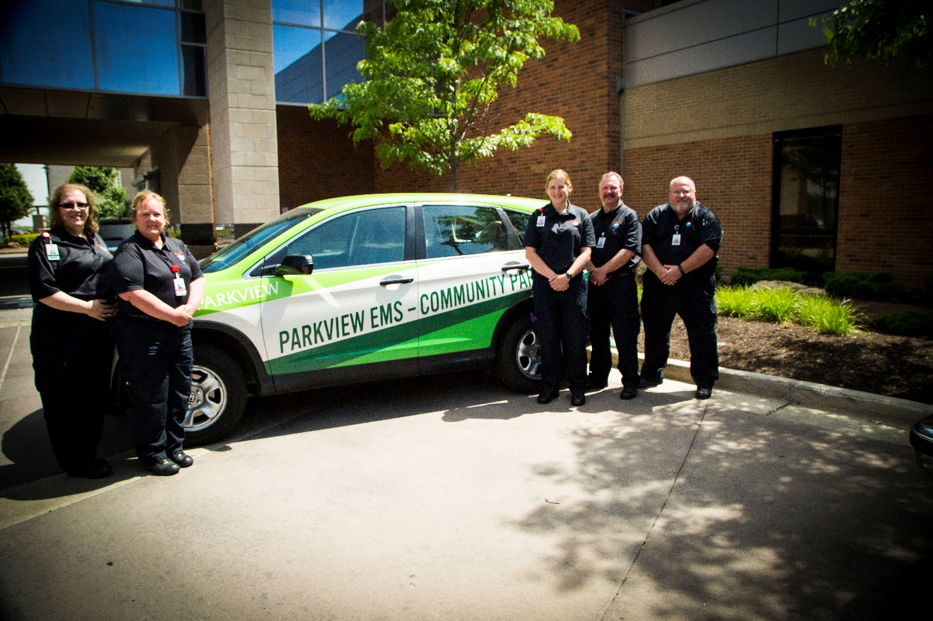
x=35 y=53
x=299 y=77
x=137 y=49
x=192 y=5
x=362 y=238
x=807 y=202
x=343 y=52
x=168 y=3
x=342 y=14
x=193 y=29
x=306 y=12
x=456 y=230
x=194 y=82
x=519 y=220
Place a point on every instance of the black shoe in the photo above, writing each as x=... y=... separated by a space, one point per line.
x=180 y=458
x=628 y=392
x=162 y=467
x=96 y=469
x=704 y=393
x=649 y=382
x=577 y=399
x=592 y=384
x=547 y=395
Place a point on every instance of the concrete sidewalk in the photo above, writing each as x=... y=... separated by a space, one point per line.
x=449 y=498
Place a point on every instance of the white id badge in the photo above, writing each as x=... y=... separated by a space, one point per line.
x=540 y=221
x=675 y=240
x=180 y=288
x=601 y=242
x=52 y=251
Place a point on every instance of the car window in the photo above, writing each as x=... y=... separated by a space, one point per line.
x=519 y=220
x=254 y=239
x=456 y=230
x=357 y=238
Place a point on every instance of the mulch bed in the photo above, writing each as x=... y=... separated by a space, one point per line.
x=896 y=366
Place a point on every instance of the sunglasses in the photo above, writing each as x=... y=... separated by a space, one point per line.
x=72 y=205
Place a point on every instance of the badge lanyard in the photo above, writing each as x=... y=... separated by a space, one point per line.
x=51 y=250
x=180 y=289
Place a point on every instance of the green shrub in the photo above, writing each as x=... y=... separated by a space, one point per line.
x=828 y=316
x=775 y=305
x=23 y=240
x=784 y=305
x=906 y=323
x=734 y=301
x=750 y=275
x=863 y=285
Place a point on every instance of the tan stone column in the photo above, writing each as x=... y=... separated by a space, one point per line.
x=241 y=90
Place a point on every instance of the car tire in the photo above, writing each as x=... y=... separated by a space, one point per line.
x=218 y=396
x=519 y=362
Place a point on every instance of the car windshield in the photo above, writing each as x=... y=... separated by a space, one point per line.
x=254 y=239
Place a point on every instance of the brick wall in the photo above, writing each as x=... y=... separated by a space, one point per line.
x=733 y=179
x=883 y=222
x=574 y=81
x=318 y=160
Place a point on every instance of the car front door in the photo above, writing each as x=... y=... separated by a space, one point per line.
x=355 y=316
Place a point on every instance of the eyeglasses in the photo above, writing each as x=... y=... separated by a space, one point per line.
x=72 y=205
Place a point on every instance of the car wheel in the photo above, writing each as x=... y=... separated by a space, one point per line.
x=218 y=396
x=519 y=362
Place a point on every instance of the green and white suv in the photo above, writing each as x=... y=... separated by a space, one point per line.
x=364 y=288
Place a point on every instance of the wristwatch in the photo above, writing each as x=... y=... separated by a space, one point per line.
x=569 y=276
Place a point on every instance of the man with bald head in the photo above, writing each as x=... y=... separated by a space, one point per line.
x=679 y=244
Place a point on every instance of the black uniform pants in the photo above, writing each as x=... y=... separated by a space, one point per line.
x=72 y=356
x=694 y=301
x=562 y=325
x=614 y=304
x=155 y=362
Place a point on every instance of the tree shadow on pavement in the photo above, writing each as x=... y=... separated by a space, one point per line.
x=731 y=515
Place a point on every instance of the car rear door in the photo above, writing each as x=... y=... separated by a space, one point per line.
x=471 y=269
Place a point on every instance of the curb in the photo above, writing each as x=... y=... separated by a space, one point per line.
x=808 y=394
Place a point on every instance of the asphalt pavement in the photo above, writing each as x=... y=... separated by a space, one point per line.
x=448 y=497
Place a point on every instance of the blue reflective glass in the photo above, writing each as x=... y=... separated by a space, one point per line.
x=37 y=51
x=342 y=14
x=306 y=12
x=296 y=59
x=137 y=50
x=343 y=52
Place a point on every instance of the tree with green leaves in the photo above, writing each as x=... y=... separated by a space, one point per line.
x=892 y=31
x=15 y=198
x=432 y=73
x=104 y=182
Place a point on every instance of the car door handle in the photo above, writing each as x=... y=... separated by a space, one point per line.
x=398 y=280
x=515 y=265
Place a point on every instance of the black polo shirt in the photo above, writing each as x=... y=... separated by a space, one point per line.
x=616 y=230
x=699 y=226
x=139 y=264
x=80 y=269
x=559 y=238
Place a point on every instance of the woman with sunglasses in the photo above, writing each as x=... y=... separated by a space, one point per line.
x=72 y=348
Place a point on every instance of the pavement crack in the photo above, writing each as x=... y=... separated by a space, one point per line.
x=779 y=408
x=657 y=517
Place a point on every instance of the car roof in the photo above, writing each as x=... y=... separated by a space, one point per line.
x=344 y=203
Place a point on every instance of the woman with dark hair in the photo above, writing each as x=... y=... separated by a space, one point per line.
x=72 y=349
x=160 y=287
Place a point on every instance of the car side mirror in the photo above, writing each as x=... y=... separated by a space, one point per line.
x=295 y=264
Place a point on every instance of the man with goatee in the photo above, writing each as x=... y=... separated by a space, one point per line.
x=613 y=295
x=679 y=244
